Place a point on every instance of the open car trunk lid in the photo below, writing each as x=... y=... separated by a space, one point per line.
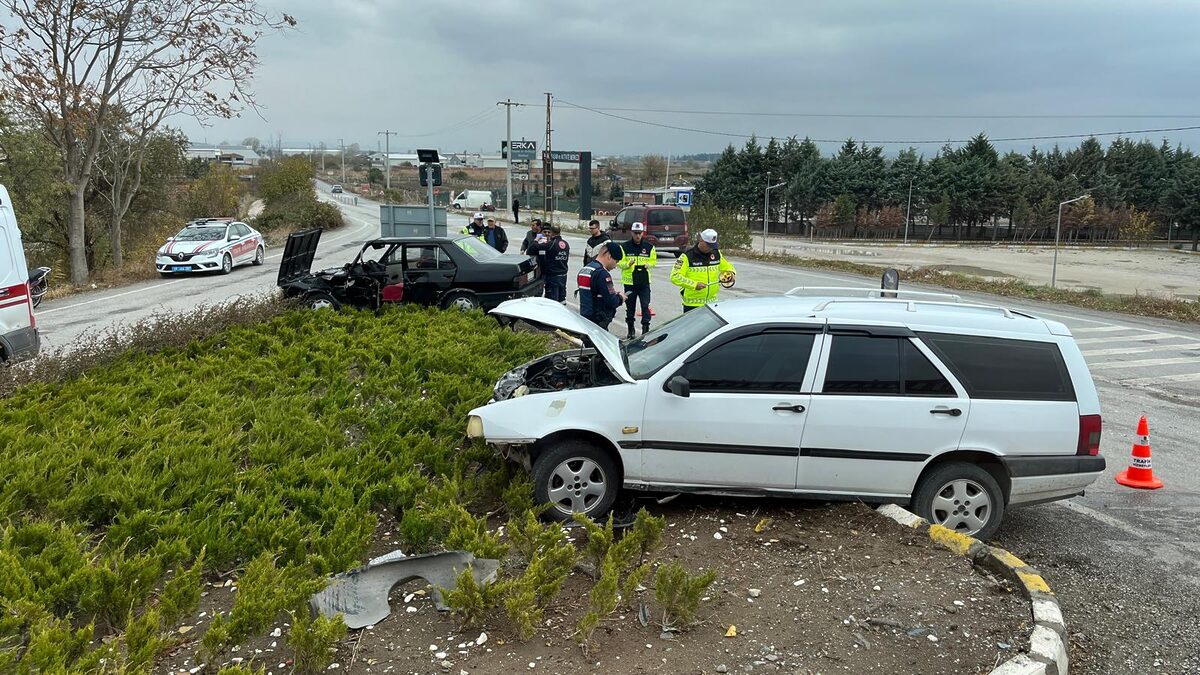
x=551 y=314
x=298 y=255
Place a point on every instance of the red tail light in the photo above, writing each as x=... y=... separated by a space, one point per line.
x=1089 y=435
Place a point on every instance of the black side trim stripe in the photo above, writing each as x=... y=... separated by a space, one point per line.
x=711 y=447
x=772 y=451
x=838 y=453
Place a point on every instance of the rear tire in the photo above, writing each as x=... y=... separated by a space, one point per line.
x=463 y=300
x=321 y=300
x=961 y=496
x=574 y=476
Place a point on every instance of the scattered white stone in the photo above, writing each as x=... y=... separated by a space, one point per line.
x=877 y=588
x=409 y=597
x=716 y=535
x=433 y=648
x=959 y=603
x=481 y=639
x=532 y=665
x=754 y=592
x=446 y=665
x=410 y=609
x=931 y=638
x=723 y=529
x=824 y=590
x=276 y=633
x=798 y=582
x=440 y=655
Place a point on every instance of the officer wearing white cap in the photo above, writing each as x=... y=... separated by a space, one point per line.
x=701 y=270
x=639 y=258
x=476 y=227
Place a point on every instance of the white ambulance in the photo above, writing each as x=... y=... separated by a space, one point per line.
x=18 y=328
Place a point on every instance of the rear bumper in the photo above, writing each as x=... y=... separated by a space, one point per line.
x=19 y=344
x=1044 y=479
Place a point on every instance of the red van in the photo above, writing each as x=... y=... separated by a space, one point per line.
x=666 y=226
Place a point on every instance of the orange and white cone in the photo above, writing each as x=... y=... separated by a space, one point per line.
x=1140 y=474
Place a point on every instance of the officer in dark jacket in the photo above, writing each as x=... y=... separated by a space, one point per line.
x=494 y=235
x=553 y=254
x=598 y=299
x=597 y=239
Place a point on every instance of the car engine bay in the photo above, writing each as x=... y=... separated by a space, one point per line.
x=560 y=371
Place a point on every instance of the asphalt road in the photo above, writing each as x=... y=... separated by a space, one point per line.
x=1126 y=563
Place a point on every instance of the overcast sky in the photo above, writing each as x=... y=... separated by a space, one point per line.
x=433 y=71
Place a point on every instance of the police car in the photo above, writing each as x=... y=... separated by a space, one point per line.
x=210 y=245
x=961 y=410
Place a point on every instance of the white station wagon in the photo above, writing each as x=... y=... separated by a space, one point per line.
x=960 y=410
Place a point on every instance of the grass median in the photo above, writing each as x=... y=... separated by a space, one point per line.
x=1139 y=305
x=265 y=450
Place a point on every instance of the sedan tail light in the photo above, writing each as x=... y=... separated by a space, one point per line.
x=1089 y=435
x=519 y=282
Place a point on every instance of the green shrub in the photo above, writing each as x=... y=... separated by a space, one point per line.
x=298 y=211
x=470 y=601
x=470 y=533
x=732 y=233
x=679 y=594
x=313 y=640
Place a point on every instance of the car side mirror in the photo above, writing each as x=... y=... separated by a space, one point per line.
x=679 y=386
x=234 y=237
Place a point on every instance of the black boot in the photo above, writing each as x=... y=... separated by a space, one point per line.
x=630 y=336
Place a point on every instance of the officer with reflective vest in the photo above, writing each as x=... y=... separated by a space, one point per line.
x=598 y=300
x=701 y=271
x=476 y=227
x=639 y=258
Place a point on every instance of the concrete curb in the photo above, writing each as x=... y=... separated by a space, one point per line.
x=1047 y=642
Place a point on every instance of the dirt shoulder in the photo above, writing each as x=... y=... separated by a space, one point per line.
x=821 y=588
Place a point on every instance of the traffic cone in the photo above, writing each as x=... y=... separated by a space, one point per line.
x=1140 y=474
x=651 y=312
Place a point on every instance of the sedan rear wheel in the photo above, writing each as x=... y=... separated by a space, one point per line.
x=575 y=477
x=962 y=497
x=462 y=300
x=321 y=300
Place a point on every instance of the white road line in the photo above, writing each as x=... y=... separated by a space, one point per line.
x=1102 y=329
x=1146 y=363
x=1135 y=532
x=1136 y=350
x=1039 y=311
x=1132 y=338
x=1145 y=381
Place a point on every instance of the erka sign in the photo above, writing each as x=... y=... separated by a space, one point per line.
x=562 y=156
x=523 y=150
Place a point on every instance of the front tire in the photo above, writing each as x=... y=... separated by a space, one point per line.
x=226 y=264
x=259 y=256
x=321 y=300
x=575 y=477
x=963 y=497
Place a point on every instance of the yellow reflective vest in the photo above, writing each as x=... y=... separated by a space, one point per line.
x=694 y=267
x=638 y=261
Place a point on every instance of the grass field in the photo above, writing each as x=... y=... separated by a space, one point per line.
x=265 y=450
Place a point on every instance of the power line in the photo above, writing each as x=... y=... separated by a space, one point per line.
x=1129 y=132
x=886 y=116
x=474 y=120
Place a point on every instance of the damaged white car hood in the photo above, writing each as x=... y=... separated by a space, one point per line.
x=556 y=315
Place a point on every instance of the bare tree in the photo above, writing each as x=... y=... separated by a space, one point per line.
x=653 y=170
x=71 y=63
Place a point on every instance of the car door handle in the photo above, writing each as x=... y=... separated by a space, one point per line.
x=784 y=407
x=953 y=412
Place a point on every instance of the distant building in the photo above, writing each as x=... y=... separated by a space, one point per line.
x=667 y=195
x=231 y=155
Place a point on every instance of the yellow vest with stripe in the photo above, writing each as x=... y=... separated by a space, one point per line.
x=694 y=267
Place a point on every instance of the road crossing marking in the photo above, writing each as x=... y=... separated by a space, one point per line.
x=1146 y=363
x=1131 y=338
x=1102 y=329
x=1161 y=379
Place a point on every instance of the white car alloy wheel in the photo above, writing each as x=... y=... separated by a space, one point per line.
x=575 y=477
x=961 y=496
x=226 y=264
x=259 y=256
x=962 y=505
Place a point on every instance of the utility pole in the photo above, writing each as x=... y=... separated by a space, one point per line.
x=322 y=156
x=342 y=145
x=508 y=106
x=1057 y=231
x=667 y=184
x=767 y=207
x=387 y=157
x=548 y=167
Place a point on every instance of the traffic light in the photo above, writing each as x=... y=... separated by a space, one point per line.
x=503 y=149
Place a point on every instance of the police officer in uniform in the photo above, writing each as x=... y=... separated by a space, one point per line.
x=476 y=227
x=700 y=272
x=598 y=299
x=639 y=258
x=553 y=253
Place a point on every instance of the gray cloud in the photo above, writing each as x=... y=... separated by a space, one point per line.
x=359 y=66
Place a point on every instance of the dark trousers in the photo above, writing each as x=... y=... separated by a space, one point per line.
x=556 y=287
x=602 y=322
x=634 y=294
x=517 y=215
x=688 y=308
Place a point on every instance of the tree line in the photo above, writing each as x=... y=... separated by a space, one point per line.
x=1136 y=189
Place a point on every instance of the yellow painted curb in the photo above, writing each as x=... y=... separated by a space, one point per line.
x=955 y=541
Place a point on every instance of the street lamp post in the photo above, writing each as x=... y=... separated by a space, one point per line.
x=342 y=145
x=908 y=211
x=1057 y=232
x=767 y=208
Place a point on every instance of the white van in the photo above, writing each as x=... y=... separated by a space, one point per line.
x=473 y=200
x=961 y=410
x=18 y=329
